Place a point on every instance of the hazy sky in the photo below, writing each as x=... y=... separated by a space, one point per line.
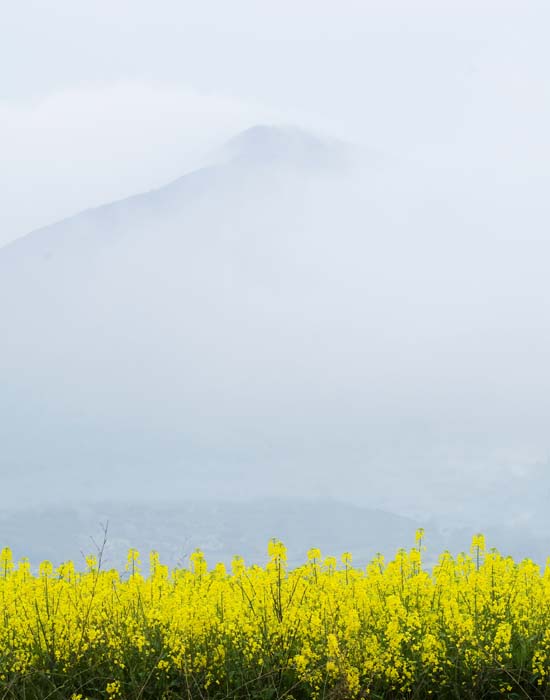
x=99 y=100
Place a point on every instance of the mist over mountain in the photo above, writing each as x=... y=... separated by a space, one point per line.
x=297 y=319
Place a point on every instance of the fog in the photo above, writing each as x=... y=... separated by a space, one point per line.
x=328 y=313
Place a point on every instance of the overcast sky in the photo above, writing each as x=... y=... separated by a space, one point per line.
x=100 y=100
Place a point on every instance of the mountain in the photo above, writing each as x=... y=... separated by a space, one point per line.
x=220 y=529
x=225 y=529
x=299 y=318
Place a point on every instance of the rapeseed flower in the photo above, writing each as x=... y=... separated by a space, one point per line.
x=476 y=623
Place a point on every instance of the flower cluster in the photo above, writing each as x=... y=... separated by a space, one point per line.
x=475 y=625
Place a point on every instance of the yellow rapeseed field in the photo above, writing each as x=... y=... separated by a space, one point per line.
x=475 y=626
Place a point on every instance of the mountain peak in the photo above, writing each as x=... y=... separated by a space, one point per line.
x=268 y=144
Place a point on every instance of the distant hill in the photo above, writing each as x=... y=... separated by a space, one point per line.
x=224 y=529
x=220 y=529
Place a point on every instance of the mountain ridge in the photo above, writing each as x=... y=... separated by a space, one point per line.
x=259 y=145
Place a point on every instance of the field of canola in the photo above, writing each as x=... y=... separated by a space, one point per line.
x=475 y=626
